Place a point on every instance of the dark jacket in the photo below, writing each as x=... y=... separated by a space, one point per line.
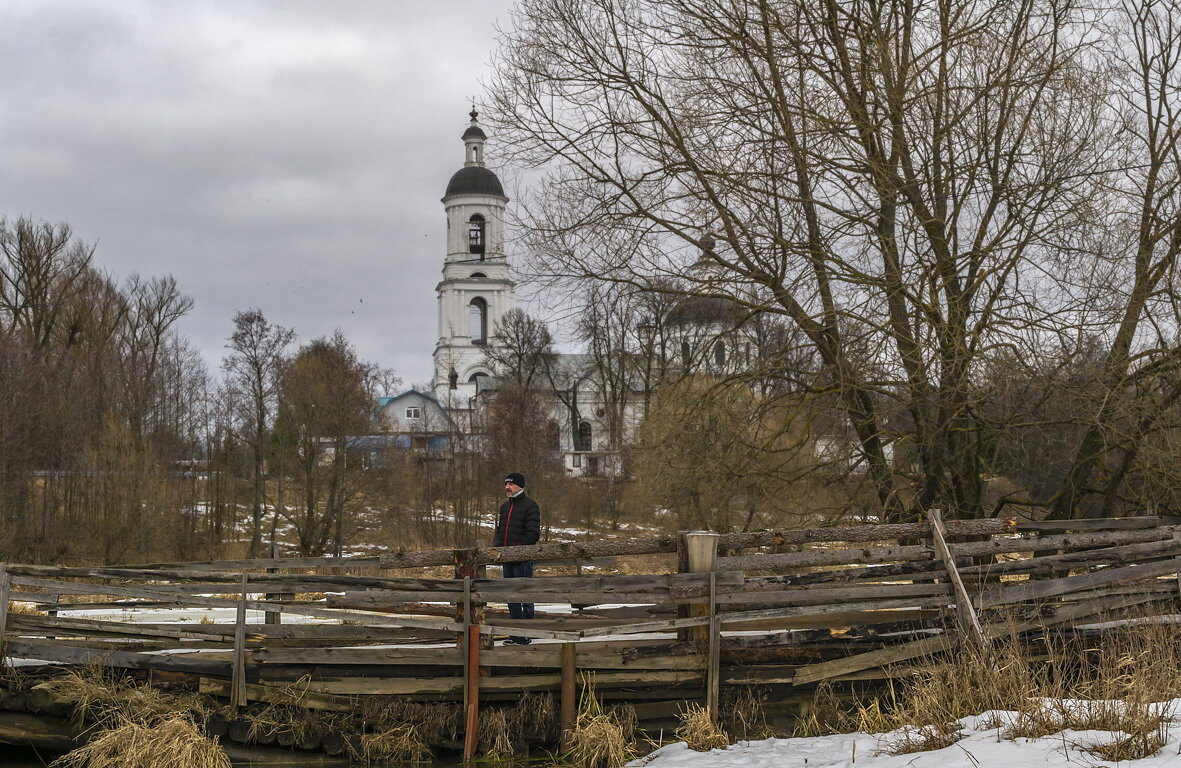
x=519 y=522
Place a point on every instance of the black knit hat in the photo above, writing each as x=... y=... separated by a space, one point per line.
x=516 y=478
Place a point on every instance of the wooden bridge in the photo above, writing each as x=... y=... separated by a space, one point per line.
x=693 y=616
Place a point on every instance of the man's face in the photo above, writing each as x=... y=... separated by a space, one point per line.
x=511 y=488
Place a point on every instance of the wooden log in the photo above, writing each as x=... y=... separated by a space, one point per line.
x=1106 y=577
x=279 y=695
x=240 y=728
x=535 y=552
x=862 y=555
x=217 y=725
x=13 y=700
x=39 y=733
x=861 y=533
x=1123 y=553
x=1091 y=524
x=55 y=652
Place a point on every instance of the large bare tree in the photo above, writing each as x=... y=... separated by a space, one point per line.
x=917 y=188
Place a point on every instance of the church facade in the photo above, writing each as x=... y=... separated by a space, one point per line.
x=474 y=294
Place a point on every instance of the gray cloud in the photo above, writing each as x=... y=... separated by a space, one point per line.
x=284 y=155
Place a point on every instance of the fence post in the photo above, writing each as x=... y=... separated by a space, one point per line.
x=568 y=694
x=1177 y=539
x=702 y=554
x=273 y=617
x=238 y=681
x=965 y=613
x=3 y=615
x=682 y=567
x=715 y=650
x=467 y=627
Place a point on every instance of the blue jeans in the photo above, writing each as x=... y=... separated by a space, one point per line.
x=521 y=570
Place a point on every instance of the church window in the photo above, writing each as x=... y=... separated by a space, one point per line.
x=475 y=235
x=475 y=377
x=686 y=354
x=478 y=321
x=413 y=412
x=720 y=353
x=554 y=435
x=479 y=274
x=584 y=436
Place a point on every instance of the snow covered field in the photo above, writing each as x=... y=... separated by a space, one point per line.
x=981 y=747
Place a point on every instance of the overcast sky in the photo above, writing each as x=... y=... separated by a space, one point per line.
x=285 y=155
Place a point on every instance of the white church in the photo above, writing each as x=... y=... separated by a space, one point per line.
x=476 y=292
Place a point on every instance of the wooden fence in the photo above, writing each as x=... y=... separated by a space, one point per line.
x=775 y=608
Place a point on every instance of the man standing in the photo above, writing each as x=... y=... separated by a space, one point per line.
x=519 y=523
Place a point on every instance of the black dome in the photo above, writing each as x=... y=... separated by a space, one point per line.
x=473 y=132
x=703 y=309
x=474 y=180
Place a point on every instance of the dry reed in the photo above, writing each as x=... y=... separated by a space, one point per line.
x=600 y=738
x=699 y=731
x=174 y=742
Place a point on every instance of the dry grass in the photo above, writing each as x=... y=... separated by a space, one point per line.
x=397 y=745
x=24 y=609
x=495 y=737
x=743 y=716
x=699 y=731
x=174 y=742
x=535 y=719
x=440 y=721
x=1112 y=684
x=601 y=738
x=99 y=695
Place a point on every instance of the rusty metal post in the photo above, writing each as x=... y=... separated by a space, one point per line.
x=471 y=731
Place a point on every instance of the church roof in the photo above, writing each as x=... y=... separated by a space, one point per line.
x=473 y=132
x=474 y=180
x=703 y=309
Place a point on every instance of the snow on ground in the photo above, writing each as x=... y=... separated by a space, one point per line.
x=981 y=747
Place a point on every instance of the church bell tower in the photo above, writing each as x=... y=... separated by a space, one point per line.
x=476 y=290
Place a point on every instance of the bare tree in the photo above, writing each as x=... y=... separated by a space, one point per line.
x=521 y=348
x=326 y=398
x=257 y=351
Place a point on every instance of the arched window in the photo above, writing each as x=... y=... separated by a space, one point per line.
x=478 y=321
x=685 y=354
x=475 y=377
x=584 y=436
x=479 y=274
x=553 y=435
x=475 y=235
x=720 y=353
